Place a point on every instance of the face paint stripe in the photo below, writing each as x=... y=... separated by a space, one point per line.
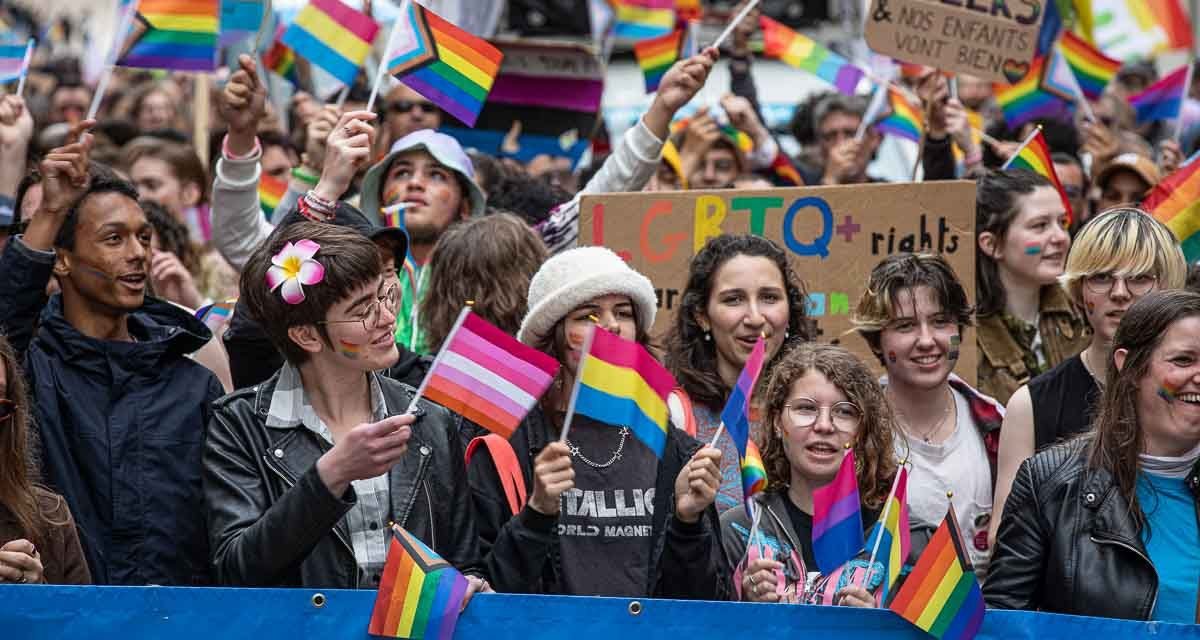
x=1033 y=249
x=349 y=349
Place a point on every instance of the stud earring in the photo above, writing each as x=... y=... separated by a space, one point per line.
x=708 y=336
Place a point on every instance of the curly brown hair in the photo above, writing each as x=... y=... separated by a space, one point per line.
x=488 y=260
x=874 y=457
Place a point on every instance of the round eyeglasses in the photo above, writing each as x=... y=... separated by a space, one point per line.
x=804 y=413
x=1138 y=284
x=369 y=318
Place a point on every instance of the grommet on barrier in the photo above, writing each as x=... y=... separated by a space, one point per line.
x=318 y=600
x=635 y=608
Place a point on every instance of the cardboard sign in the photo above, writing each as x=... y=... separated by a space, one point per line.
x=834 y=236
x=992 y=39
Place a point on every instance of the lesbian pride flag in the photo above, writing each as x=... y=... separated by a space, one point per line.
x=487 y=376
x=837 y=521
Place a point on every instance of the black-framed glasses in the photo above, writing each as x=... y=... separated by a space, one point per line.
x=804 y=413
x=1138 y=284
x=404 y=106
x=8 y=409
x=374 y=311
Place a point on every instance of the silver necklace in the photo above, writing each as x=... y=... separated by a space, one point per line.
x=928 y=436
x=575 y=452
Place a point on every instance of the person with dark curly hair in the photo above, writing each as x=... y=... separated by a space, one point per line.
x=739 y=287
x=820 y=400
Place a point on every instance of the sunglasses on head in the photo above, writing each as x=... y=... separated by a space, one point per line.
x=404 y=106
x=8 y=409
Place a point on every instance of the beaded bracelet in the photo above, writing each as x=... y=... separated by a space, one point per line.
x=316 y=208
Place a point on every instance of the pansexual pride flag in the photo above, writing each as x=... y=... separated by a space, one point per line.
x=904 y=121
x=656 y=55
x=1034 y=155
x=487 y=376
x=270 y=191
x=641 y=19
x=419 y=595
x=178 y=35
x=941 y=596
x=621 y=384
x=14 y=60
x=837 y=529
x=1093 y=69
x=332 y=36
x=891 y=533
x=1175 y=202
x=1163 y=99
x=1026 y=100
x=805 y=53
x=451 y=67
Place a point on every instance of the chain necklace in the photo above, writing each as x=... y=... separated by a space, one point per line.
x=575 y=452
x=927 y=437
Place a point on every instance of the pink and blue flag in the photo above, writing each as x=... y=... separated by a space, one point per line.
x=837 y=531
x=1163 y=99
x=14 y=60
x=736 y=414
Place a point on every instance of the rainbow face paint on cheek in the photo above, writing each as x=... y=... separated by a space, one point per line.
x=349 y=349
x=892 y=357
x=955 y=340
x=1167 y=393
x=1033 y=248
x=1091 y=308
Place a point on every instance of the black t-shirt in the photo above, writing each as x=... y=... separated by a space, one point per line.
x=1063 y=401
x=802 y=525
x=604 y=525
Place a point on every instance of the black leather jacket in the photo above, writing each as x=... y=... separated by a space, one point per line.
x=273 y=522
x=1067 y=543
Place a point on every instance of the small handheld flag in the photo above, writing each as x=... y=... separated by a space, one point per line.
x=941 y=596
x=177 y=35
x=837 y=519
x=656 y=55
x=270 y=191
x=641 y=19
x=804 y=53
x=486 y=375
x=889 y=538
x=621 y=384
x=435 y=58
x=754 y=472
x=904 y=121
x=332 y=36
x=216 y=315
x=736 y=414
x=1163 y=99
x=14 y=63
x=1034 y=155
x=1175 y=202
x=1093 y=69
x=1026 y=100
x=420 y=594
x=280 y=59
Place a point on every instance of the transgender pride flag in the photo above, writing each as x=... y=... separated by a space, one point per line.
x=487 y=376
x=14 y=60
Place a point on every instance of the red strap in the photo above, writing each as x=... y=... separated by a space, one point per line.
x=507 y=467
x=689 y=416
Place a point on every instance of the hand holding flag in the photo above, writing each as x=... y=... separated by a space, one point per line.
x=697 y=484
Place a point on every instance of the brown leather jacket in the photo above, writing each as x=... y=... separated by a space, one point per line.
x=1003 y=358
x=62 y=557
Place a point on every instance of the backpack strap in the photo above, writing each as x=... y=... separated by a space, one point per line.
x=680 y=405
x=505 y=459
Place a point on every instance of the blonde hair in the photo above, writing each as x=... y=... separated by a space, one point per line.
x=1123 y=241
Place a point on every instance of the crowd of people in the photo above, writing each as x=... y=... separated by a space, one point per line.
x=277 y=444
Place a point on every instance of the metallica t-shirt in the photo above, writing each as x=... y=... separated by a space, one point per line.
x=604 y=523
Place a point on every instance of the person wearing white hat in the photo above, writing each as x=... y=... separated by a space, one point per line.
x=604 y=516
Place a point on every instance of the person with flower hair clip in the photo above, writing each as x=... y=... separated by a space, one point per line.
x=304 y=473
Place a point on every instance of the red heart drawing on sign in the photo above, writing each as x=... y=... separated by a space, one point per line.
x=1014 y=70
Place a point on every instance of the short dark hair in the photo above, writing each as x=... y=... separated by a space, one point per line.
x=350 y=261
x=901 y=271
x=101 y=179
x=529 y=197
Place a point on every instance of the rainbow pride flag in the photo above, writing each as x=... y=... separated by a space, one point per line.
x=419 y=595
x=807 y=54
x=620 y=383
x=1034 y=155
x=1093 y=69
x=1175 y=202
x=1026 y=100
x=904 y=121
x=891 y=533
x=270 y=191
x=280 y=59
x=941 y=596
x=332 y=36
x=216 y=315
x=656 y=55
x=451 y=67
x=177 y=35
x=754 y=474
x=837 y=531
x=487 y=376
x=14 y=60
x=393 y=215
x=641 y=19
x=1163 y=99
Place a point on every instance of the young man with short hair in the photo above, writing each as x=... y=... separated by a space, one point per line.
x=121 y=409
x=304 y=473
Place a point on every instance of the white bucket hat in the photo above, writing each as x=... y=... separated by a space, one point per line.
x=573 y=277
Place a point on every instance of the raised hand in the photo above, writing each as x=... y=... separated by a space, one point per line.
x=697 y=483
x=172 y=281
x=678 y=86
x=347 y=149
x=65 y=170
x=552 y=477
x=243 y=103
x=317 y=135
x=16 y=127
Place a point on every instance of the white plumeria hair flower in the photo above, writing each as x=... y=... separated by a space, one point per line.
x=294 y=267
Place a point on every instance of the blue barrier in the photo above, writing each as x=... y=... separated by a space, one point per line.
x=29 y=612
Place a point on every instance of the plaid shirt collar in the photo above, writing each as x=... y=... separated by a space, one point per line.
x=290 y=407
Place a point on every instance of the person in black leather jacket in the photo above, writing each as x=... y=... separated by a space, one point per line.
x=305 y=473
x=1105 y=525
